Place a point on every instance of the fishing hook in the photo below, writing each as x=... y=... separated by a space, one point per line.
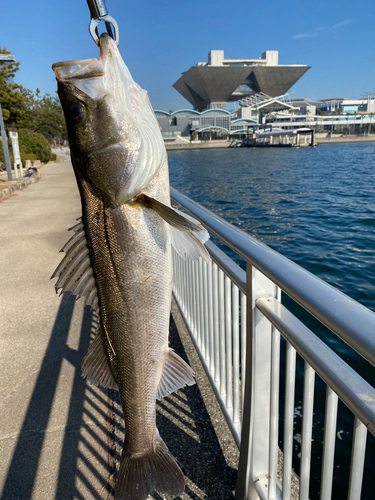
x=99 y=13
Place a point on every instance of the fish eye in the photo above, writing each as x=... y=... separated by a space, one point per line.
x=77 y=112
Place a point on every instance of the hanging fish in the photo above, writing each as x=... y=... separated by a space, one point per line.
x=120 y=259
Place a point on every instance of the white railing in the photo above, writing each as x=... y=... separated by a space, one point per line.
x=235 y=319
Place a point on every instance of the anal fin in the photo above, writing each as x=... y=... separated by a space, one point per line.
x=176 y=374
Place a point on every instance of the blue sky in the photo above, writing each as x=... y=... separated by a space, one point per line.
x=162 y=38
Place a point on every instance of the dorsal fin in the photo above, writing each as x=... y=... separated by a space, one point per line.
x=74 y=272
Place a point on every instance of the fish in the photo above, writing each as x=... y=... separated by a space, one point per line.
x=119 y=258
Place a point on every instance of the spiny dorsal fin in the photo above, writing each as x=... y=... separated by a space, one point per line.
x=74 y=272
x=187 y=234
x=176 y=374
x=95 y=365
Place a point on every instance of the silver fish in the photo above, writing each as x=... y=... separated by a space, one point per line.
x=119 y=257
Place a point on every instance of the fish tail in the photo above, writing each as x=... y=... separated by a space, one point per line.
x=154 y=471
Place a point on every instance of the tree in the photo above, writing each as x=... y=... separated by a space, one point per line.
x=47 y=117
x=23 y=109
x=13 y=97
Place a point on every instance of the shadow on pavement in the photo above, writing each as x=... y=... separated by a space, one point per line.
x=93 y=434
x=84 y=454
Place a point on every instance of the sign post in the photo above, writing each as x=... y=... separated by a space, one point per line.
x=16 y=153
x=5 y=146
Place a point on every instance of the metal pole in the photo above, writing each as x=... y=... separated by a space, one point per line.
x=5 y=146
x=329 y=444
x=245 y=489
x=358 y=460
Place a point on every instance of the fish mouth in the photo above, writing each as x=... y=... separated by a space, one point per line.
x=117 y=146
x=84 y=68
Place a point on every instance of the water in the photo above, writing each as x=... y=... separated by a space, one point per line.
x=316 y=207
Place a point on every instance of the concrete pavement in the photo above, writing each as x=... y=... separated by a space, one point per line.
x=61 y=438
x=53 y=438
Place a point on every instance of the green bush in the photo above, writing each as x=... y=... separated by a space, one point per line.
x=33 y=146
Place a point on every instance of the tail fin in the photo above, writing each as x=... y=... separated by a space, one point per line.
x=139 y=476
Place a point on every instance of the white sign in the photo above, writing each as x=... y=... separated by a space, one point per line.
x=15 y=147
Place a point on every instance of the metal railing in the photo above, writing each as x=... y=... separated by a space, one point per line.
x=235 y=319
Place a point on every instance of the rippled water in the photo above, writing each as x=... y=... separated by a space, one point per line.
x=316 y=207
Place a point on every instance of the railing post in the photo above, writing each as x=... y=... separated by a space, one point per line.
x=253 y=471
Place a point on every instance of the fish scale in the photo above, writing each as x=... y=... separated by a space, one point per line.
x=135 y=312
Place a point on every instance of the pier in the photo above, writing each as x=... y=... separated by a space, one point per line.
x=281 y=138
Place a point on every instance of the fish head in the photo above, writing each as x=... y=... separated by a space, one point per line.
x=114 y=136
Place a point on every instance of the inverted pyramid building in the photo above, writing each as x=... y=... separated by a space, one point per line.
x=220 y=80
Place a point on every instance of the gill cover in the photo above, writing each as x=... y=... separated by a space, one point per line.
x=114 y=135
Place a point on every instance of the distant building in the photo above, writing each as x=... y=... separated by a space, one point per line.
x=176 y=124
x=347 y=106
x=213 y=84
x=186 y=124
x=6 y=59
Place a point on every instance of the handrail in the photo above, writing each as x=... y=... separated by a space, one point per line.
x=235 y=429
x=233 y=270
x=351 y=321
x=236 y=321
x=351 y=388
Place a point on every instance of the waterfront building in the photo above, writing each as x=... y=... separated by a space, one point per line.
x=176 y=124
x=260 y=112
x=187 y=124
x=347 y=106
x=219 y=80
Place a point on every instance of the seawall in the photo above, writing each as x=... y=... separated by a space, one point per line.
x=202 y=145
x=344 y=139
x=238 y=144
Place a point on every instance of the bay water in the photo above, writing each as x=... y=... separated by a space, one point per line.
x=315 y=206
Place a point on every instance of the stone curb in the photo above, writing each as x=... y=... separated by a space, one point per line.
x=4 y=193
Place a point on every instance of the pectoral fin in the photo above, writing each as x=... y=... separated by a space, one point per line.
x=187 y=234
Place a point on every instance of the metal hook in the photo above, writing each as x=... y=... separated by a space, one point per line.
x=99 y=13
